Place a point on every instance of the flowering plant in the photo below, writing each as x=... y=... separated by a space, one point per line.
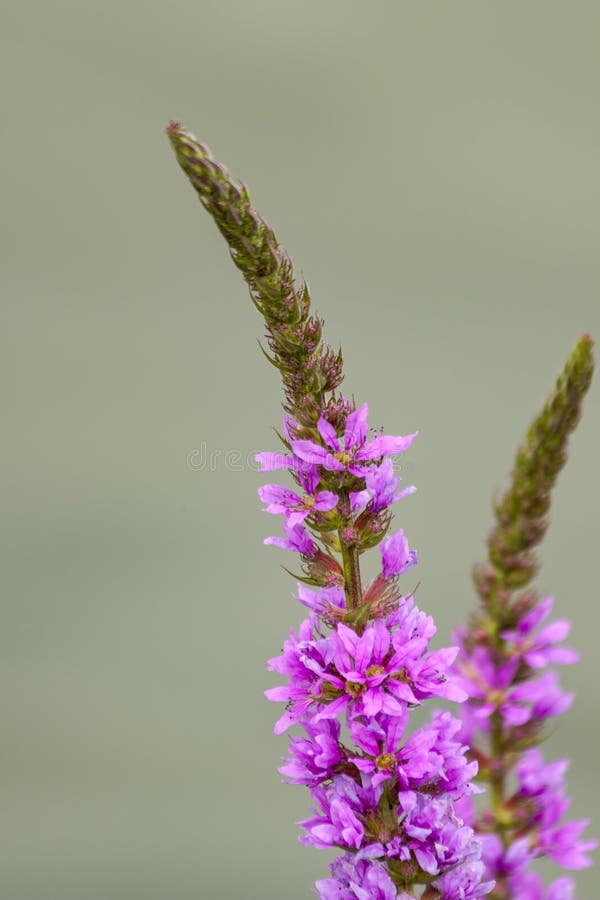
x=400 y=802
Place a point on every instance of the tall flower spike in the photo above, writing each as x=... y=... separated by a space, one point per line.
x=503 y=667
x=310 y=370
x=361 y=660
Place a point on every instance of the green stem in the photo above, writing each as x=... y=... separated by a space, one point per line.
x=497 y=776
x=352 y=582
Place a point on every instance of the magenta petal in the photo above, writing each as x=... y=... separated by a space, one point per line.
x=356 y=430
x=331 y=710
x=364 y=765
x=365 y=739
x=372 y=701
x=381 y=644
x=289 y=718
x=297 y=517
x=269 y=462
x=427 y=860
x=392 y=707
x=348 y=637
x=359 y=499
x=386 y=444
x=280 y=694
x=554 y=633
x=515 y=715
x=276 y=493
x=275 y=541
x=325 y=501
x=401 y=690
x=396 y=557
x=310 y=452
x=562 y=656
x=355 y=677
x=561 y=889
x=364 y=649
x=315 y=454
x=328 y=834
x=451 y=691
x=327 y=432
x=536 y=615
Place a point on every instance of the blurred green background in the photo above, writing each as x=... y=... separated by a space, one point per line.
x=433 y=170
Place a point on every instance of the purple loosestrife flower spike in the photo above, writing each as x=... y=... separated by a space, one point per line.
x=506 y=650
x=385 y=797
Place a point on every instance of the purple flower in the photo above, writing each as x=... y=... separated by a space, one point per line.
x=367 y=672
x=539 y=650
x=539 y=804
x=355 y=452
x=545 y=695
x=502 y=671
x=430 y=760
x=511 y=867
x=383 y=670
x=300 y=655
x=380 y=490
x=420 y=828
x=297 y=539
x=339 y=819
x=433 y=834
x=357 y=879
x=562 y=844
x=535 y=778
x=465 y=882
x=531 y=886
x=360 y=677
x=377 y=672
x=283 y=501
x=505 y=864
x=491 y=688
x=396 y=557
x=314 y=757
x=542 y=792
x=328 y=603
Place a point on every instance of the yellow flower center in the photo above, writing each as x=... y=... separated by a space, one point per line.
x=354 y=689
x=344 y=457
x=374 y=670
x=495 y=697
x=386 y=762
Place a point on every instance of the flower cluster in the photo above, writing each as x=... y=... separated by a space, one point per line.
x=356 y=667
x=400 y=805
x=506 y=652
x=511 y=695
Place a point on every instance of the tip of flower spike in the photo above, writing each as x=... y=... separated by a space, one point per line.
x=175 y=132
x=178 y=134
x=585 y=346
x=581 y=363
